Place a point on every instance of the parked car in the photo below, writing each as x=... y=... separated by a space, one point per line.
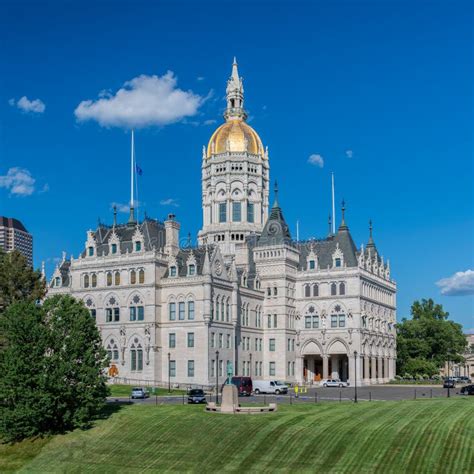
x=334 y=383
x=465 y=379
x=196 y=395
x=243 y=384
x=449 y=383
x=269 y=386
x=467 y=390
x=139 y=392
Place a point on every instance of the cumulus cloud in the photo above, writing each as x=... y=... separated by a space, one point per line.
x=459 y=284
x=169 y=202
x=35 y=106
x=125 y=208
x=349 y=153
x=142 y=102
x=210 y=122
x=316 y=160
x=18 y=181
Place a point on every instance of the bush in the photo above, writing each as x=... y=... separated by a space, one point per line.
x=436 y=377
x=398 y=377
x=407 y=376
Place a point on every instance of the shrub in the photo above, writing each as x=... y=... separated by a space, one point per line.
x=407 y=376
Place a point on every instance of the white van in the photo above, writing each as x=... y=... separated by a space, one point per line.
x=269 y=386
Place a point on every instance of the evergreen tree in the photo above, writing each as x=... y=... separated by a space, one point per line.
x=428 y=340
x=24 y=404
x=18 y=281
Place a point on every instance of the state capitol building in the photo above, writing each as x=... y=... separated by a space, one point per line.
x=248 y=294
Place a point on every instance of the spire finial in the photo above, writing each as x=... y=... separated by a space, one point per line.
x=343 y=225
x=371 y=243
x=115 y=215
x=370 y=228
x=275 y=192
x=329 y=224
x=235 y=96
x=235 y=62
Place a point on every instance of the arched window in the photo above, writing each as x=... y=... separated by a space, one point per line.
x=307 y=291
x=136 y=356
x=117 y=278
x=133 y=277
x=94 y=280
x=86 y=281
x=112 y=311
x=342 y=288
x=137 y=310
x=112 y=351
x=315 y=290
x=217 y=309
x=141 y=276
x=109 y=279
x=227 y=311
x=333 y=289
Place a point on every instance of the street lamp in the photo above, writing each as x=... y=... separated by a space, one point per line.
x=355 y=376
x=169 y=374
x=217 y=376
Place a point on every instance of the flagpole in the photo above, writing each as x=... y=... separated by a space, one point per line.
x=131 y=175
x=333 y=206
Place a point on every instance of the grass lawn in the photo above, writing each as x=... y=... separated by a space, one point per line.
x=117 y=390
x=432 y=436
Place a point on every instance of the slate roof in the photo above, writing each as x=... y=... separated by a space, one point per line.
x=276 y=230
x=64 y=271
x=153 y=233
x=182 y=259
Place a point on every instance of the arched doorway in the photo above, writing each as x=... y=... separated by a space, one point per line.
x=338 y=362
x=312 y=362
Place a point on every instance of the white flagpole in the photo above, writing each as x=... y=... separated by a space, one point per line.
x=333 y=206
x=298 y=231
x=131 y=174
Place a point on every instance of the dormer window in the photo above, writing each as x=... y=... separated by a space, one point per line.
x=90 y=251
x=138 y=246
x=173 y=271
x=57 y=281
x=191 y=269
x=114 y=248
x=312 y=264
x=337 y=262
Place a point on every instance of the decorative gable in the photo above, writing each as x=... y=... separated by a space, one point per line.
x=337 y=257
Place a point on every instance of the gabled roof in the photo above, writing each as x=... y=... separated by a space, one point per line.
x=184 y=254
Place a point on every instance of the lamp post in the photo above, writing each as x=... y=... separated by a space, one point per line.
x=449 y=393
x=169 y=374
x=355 y=376
x=217 y=376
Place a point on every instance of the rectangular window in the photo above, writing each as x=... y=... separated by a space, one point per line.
x=221 y=367
x=272 y=368
x=222 y=212
x=139 y=359
x=138 y=246
x=190 y=339
x=133 y=313
x=315 y=322
x=172 y=311
x=94 y=314
x=213 y=339
x=288 y=370
x=275 y=321
x=116 y=314
x=108 y=315
x=172 y=368
x=334 y=320
x=269 y=321
x=342 y=320
x=289 y=345
x=114 y=248
x=91 y=251
x=190 y=368
x=133 y=359
x=236 y=212
x=172 y=340
x=250 y=212
x=271 y=345
x=293 y=346
x=181 y=310
x=338 y=262
x=220 y=340
x=292 y=368
x=190 y=309
x=213 y=368
x=228 y=341
x=173 y=271
x=312 y=264
x=140 y=313
x=307 y=322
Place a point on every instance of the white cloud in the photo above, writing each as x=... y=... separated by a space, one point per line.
x=169 y=202
x=349 y=153
x=200 y=78
x=459 y=284
x=36 y=106
x=18 y=181
x=142 y=102
x=316 y=160
x=210 y=122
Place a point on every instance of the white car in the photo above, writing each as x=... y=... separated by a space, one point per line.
x=334 y=383
x=269 y=386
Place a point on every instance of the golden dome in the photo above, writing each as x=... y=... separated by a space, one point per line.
x=235 y=136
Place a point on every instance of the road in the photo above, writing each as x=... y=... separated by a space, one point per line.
x=321 y=394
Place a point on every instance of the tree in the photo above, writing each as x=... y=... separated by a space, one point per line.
x=428 y=340
x=52 y=368
x=18 y=281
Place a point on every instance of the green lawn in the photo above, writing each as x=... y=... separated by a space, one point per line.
x=117 y=390
x=432 y=436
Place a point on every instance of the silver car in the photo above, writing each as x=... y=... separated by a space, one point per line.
x=334 y=383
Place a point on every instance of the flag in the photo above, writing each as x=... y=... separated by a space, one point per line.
x=138 y=170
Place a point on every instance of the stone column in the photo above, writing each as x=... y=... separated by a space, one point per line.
x=379 y=370
x=366 y=369
x=373 y=376
x=325 y=367
x=386 y=373
x=299 y=370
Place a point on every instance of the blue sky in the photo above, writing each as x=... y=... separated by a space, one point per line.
x=381 y=90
